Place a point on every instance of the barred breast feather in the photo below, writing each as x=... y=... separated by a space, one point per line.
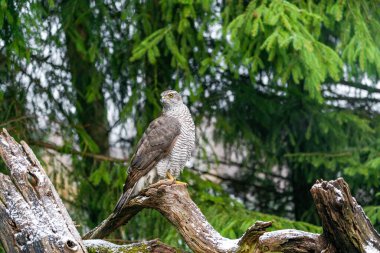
x=184 y=145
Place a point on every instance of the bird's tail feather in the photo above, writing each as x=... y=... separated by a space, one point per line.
x=124 y=199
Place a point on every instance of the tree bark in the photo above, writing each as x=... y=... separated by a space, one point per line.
x=153 y=246
x=344 y=221
x=32 y=216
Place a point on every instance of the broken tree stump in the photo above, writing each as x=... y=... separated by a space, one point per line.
x=33 y=218
x=344 y=221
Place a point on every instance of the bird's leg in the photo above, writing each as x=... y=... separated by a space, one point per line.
x=170 y=177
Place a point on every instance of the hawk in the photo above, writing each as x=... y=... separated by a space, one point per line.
x=164 y=148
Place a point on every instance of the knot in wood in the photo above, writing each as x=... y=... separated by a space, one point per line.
x=162 y=189
x=32 y=179
x=71 y=245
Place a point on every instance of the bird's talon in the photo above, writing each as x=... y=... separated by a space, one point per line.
x=181 y=183
x=169 y=176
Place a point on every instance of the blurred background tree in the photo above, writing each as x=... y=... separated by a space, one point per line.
x=283 y=93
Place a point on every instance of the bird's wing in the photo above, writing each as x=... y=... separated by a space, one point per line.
x=155 y=144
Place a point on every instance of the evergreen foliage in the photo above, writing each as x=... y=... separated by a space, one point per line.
x=287 y=88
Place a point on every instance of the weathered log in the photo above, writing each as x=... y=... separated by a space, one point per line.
x=32 y=216
x=344 y=221
x=173 y=201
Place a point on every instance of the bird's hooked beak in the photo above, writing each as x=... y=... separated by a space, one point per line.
x=165 y=99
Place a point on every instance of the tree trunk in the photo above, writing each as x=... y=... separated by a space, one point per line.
x=344 y=221
x=32 y=216
x=81 y=29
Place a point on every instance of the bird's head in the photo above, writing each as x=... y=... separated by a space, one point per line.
x=170 y=99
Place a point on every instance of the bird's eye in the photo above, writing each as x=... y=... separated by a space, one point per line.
x=171 y=95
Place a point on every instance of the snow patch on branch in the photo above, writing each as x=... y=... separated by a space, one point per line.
x=370 y=248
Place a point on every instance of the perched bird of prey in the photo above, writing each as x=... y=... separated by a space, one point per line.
x=164 y=148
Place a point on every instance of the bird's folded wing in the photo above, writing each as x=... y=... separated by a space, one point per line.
x=155 y=144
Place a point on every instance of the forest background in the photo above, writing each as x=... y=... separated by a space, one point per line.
x=282 y=93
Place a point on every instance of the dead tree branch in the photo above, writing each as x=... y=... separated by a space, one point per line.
x=72 y=151
x=174 y=202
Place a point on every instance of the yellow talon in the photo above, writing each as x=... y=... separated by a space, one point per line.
x=182 y=183
x=169 y=176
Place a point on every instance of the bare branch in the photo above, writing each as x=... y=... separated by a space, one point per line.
x=358 y=85
x=173 y=201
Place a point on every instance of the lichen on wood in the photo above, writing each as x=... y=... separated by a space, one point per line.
x=101 y=246
x=32 y=216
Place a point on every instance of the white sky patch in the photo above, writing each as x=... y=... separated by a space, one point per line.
x=370 y=248
x=216 y=31
x=44 y=35
x=230 y=96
